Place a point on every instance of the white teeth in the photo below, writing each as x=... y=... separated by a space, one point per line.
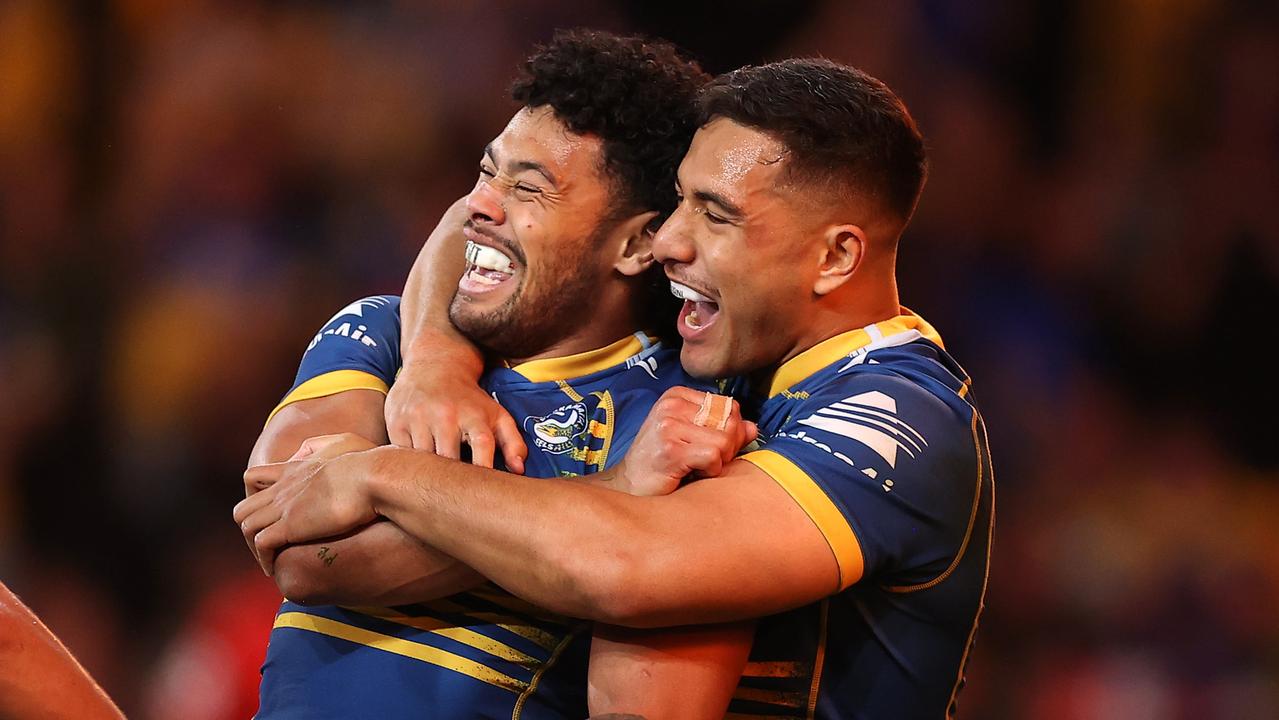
x=685 y=292
x=483 y=256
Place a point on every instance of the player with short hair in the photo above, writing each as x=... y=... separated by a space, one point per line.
x=860 y=530
x=555 y=278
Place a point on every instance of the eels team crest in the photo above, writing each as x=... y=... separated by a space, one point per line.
x=562 y=430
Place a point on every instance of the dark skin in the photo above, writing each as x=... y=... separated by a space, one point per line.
x=689 y=673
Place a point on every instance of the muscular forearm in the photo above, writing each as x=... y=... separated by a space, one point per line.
x=40 y=678
x=378 y=565
x=578 y=549
x=426 y=331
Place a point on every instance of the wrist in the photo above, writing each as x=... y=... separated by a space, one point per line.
x=607 y=479
x=434 y=352
x=377 y=481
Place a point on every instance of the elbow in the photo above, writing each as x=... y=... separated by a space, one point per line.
x=297 y=584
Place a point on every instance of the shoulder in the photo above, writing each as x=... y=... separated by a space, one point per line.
x=882 y=418
x=363 y=336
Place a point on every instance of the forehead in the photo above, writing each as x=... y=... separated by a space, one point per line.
x=732 y=159
x=537 y=135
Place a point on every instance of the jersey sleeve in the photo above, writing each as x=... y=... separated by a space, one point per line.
x=889 y=473
x=358 y=348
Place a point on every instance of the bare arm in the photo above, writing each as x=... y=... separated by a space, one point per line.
x=685 y=673
x=41 y=679
x=378 y=564
x=436 y=403
x=719 y=549
x=724 y=548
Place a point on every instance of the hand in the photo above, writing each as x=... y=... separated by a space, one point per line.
x=436 y=404
x=327 y=447
x=437 y=409
x=687 y=433
x=304 y=500
x=321 y=447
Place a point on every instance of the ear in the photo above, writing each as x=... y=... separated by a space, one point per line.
x=635 y=238
x=842 y=252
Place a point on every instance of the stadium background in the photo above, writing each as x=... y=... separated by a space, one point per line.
x=188 y=189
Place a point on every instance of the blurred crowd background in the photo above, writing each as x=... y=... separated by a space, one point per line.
x=189 y=188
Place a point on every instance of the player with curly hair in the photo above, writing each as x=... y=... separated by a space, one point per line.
x=859 y=532
x=553 y=273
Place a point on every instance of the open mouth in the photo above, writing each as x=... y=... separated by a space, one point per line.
x=699 y=310
x=486 y=268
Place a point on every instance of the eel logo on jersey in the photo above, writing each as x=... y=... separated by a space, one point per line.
x=871 y=419
x=560 y=431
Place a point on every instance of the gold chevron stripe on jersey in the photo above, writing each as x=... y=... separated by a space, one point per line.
x=399 y=646
x=463 y=635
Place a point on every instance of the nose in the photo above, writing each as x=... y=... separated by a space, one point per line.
x=671 y=243
x=485 y=204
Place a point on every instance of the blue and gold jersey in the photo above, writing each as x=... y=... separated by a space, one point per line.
x=483 y=653
x=875 y=435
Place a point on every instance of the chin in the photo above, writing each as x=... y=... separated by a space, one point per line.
x=701 y=364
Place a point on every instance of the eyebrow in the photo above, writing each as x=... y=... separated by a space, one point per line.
x=729 y=208
x=536 y=167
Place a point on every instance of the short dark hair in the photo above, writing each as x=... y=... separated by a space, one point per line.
x=839 y=124
x=638 y=95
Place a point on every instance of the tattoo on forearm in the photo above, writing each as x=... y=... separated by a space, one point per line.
x=326 y=555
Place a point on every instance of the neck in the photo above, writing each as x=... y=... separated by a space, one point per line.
x=611 y=317
x=849 y=309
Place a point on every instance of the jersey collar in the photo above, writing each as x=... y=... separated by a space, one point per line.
x=584 y=363
x=826 y=352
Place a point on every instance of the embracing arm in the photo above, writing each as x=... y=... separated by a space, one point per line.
x=378 y=564
x=731 y=546
x=41 y=679
x=723 y=548
x=436 y=403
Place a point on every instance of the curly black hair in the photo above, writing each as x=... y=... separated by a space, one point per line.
x=841 y=126
x=638 y=95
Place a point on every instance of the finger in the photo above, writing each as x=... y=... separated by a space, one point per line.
x=448 y=440
x=242 y=511
x=264 y=476
x=703 y=443
x=420 y=437
x=714 y=411
x=253 y=523
x=252 y=529
x=482 y=447
x=251 y=504
x=398 y=428
x=685 y=393
x=514 y=450
x=304 y=451
x=327 y=447
x=704 y=461
x=750 y=432
x=267 y=543
x=677 y=407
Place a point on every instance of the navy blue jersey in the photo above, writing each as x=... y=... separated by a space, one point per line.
x=483 y=653
x=874 y=434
